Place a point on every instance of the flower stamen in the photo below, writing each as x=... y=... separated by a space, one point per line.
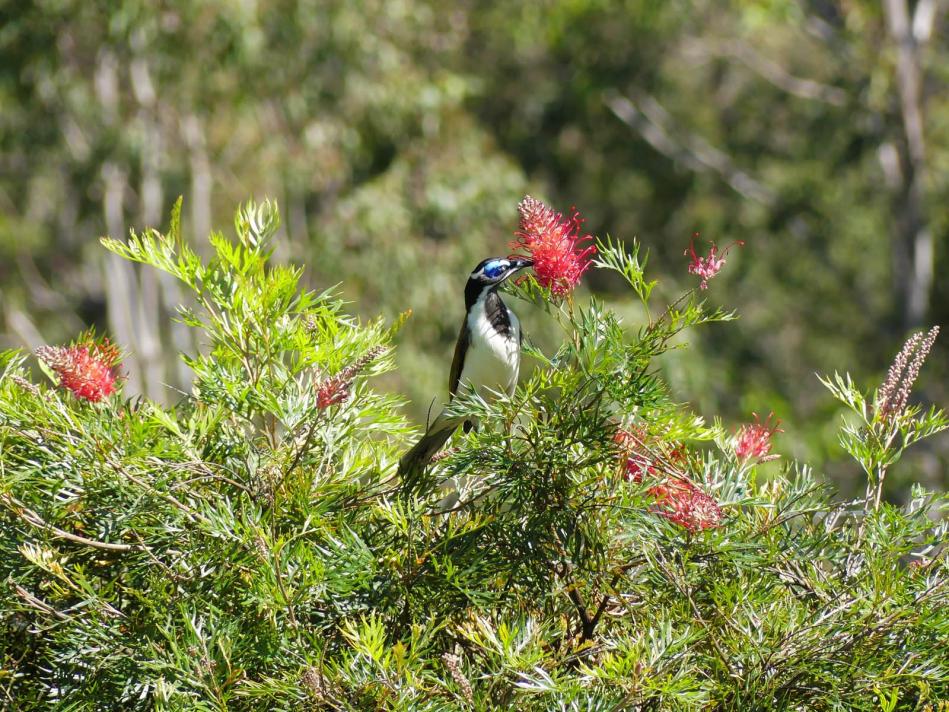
x=553 y=243
x=87 y=370
x=708 y=266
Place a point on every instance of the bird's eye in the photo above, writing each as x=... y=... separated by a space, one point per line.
x=493 y=270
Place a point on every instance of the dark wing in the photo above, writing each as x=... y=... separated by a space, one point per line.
x=458 y=361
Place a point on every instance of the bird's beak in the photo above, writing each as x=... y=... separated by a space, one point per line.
x=521 y=262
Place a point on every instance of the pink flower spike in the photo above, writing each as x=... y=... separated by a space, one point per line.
x=87 y=370
x=893 y=395
x=337 y=389
x=708 y=266
x=553 y=242
x=753 y=440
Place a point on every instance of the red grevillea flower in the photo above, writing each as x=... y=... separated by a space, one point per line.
x=753 y=440
x=553 y=242
x=677 y=498
x=680 y=501
x=88 y=370
x=708 y=266
x=646 y=455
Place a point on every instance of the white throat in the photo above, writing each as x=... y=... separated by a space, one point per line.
x=493 y=359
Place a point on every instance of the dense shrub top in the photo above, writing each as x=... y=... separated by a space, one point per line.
x=251 y=548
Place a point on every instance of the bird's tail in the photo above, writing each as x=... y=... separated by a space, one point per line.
x=413 y=463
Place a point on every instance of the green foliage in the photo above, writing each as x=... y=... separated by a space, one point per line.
x=251 y=549
x=877 y=439
x=400 y=133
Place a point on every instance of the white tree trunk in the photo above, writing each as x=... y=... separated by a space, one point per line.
x=914 y=260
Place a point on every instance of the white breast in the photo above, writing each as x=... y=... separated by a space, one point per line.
x=493 y=360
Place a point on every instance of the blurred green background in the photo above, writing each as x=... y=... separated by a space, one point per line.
x=399 y=135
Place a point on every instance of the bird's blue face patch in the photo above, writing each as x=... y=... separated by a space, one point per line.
x=495 y=269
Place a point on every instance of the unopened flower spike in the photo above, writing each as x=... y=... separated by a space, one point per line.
x=337 y=389
x=88 y=368
x=553 y=242
x=708 y=266
x=893 y=396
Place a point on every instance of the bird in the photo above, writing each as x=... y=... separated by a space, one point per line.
x=487 y=356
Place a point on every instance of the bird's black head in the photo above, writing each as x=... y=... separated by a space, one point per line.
x=490 y=273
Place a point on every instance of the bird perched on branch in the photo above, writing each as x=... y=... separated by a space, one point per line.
x=487 y=356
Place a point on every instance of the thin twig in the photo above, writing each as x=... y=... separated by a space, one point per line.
x=771 y=71
x=648 y=118
x=300 y=451
x=39 y=605
x=34 y=519
x=195 y=516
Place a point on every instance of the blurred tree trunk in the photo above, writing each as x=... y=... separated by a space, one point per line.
x=299 y=232
x=906 y=170
x=119 y=275
x=149 y=308
x=120 y=282
x=192 y=129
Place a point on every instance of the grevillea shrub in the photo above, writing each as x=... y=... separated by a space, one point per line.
x=251 y=549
